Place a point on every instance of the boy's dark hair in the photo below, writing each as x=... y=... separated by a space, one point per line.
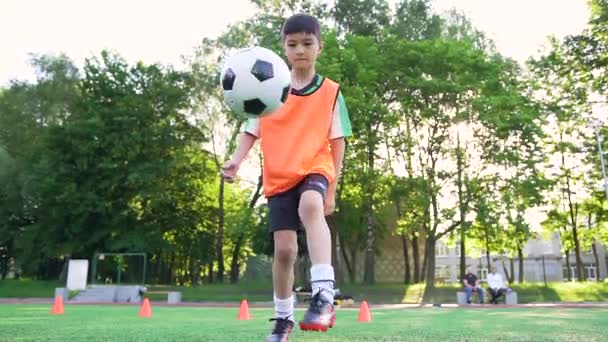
x=301 y=23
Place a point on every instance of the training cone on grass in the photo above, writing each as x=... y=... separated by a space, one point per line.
x=146 y=309
x=57 y=306
x=364 y=314
x=244 y=311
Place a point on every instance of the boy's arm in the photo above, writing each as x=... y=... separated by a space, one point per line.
x=231 y=167
x=246 y=141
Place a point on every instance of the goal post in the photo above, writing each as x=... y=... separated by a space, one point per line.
x=118 y=268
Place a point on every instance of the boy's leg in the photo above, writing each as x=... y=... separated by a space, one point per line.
x=318 y=239
x=285 y=253
x=321 y=313
x=284 y=223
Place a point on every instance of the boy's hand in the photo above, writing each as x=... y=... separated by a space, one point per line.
x=330 y=202
x=229 y=170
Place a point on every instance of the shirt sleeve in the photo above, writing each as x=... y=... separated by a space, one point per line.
x=340 y=122
x=252 y=126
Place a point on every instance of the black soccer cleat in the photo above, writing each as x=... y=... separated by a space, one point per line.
x=281 y=331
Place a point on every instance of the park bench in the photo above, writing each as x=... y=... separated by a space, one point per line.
x=510 y=298
x=173 y=297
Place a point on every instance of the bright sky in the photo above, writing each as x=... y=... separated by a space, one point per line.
x=520 y=27
x=163 y=30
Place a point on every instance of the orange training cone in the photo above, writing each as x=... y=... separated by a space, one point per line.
x=57 y=306
x=364 y=314
x=146 y=310
x=244 y=311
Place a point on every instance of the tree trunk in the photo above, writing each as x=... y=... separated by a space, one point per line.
x=347 y=263
x=353 y=262
x=429 y=248
x=406 y=260
x=512 y=263
x=220 y=235
x=210 y=276
x=63 y=275
x=162 y=273
x=425 y=259
x=568 y=270
x=4 y=262
x=172 y=269
x=463 y=259
x=520 y=256
x=430 y=259
x=369 y=276
x=416 y=257
x=333 y=230
x=194 y=269
x=488 y=265
x=573 y=210
x=340 y=275
x=234 y=264
x=580 y=274
x=504 y=268
x=461 y=208
x=597 y=262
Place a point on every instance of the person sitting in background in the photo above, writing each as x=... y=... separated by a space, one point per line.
x=471 y=284
x=496 y=285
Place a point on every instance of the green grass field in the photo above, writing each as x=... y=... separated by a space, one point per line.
x=391 y=293
x=122 y=323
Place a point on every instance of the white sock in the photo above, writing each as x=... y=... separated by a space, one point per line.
x=283 y=308
x=322 y=278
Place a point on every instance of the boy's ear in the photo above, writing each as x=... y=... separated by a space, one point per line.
x=320 y=49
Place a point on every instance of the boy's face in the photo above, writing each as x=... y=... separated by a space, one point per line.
x=302 y=50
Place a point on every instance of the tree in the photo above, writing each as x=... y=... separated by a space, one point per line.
x=27 y=111
x=362 y=17
x=511 y=144
x=565 y=103
x=414 y=20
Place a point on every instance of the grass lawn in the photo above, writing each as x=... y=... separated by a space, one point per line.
x=391 y=293
x=399 y=293
x=25 y=288
x=122 y=323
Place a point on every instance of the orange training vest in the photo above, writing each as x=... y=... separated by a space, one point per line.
x=295 y=139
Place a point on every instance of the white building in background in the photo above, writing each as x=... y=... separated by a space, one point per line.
x=537 y=252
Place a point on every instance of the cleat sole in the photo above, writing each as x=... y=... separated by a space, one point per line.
x=313 y=327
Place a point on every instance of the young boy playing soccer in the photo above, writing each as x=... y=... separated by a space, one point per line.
x=303 y=147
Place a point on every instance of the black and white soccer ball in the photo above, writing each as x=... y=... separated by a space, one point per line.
x=256 y=82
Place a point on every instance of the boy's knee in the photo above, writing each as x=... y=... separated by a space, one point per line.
x=285 y=254
x=311 y=205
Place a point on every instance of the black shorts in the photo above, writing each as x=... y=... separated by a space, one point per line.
x=283 y=208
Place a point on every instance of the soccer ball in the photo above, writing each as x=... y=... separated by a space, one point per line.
x=256 y=82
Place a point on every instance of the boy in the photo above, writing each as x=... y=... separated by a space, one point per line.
x=303 y=147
